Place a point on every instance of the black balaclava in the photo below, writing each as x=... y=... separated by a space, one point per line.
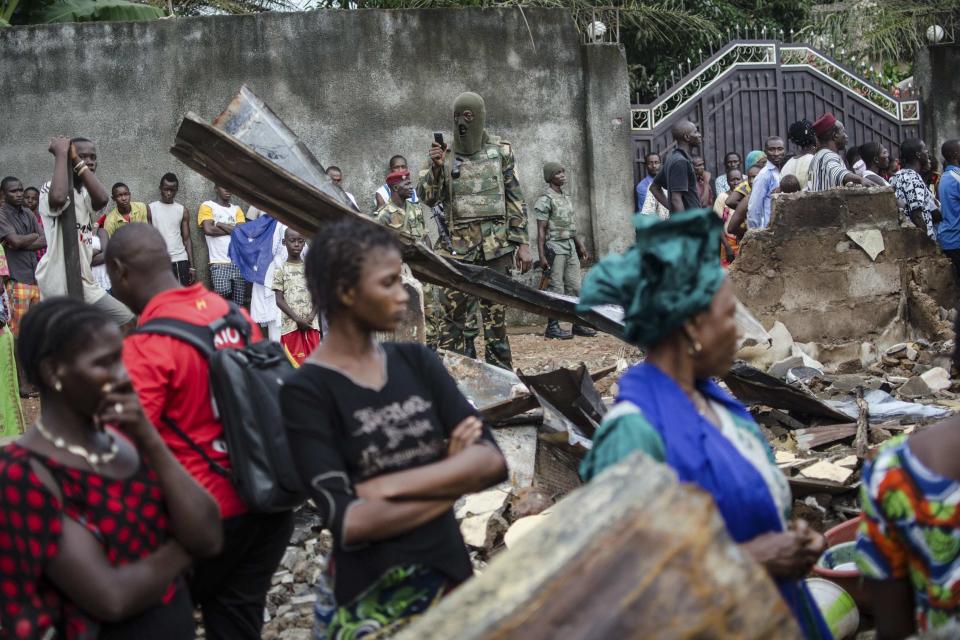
x=468 y=136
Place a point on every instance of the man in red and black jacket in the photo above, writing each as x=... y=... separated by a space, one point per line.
x=171 y=378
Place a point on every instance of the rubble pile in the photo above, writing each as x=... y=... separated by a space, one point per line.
x=823 y=419
x=289 y=611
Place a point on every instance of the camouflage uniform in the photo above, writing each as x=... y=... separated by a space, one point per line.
x=487 y=221
x=410 y=220
x=557 y=210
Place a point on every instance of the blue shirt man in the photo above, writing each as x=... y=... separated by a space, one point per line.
x=758 y=207
x=948 y=233
x=652 y=165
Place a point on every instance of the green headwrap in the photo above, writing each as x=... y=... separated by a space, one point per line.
x=670 y=274
x=472 y=138
x=551 y=169
x=753 y=158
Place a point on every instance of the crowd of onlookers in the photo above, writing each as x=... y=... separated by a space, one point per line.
x=122 y=509
x=742 y=193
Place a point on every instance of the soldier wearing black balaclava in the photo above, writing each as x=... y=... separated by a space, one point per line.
x=487 y=222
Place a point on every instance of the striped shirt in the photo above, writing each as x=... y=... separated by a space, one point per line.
x=827 y=171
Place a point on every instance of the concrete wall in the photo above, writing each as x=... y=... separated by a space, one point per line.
x=357 y=86
x=936 y=76
x=807 y=273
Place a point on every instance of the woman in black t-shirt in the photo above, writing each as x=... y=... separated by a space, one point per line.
x=383 y=441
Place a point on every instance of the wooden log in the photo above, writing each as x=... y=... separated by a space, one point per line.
x=633 y=554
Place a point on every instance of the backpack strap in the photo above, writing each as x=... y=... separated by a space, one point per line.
x=201 y=338
x=235 y=320
x=215 y=466
x=197 y=336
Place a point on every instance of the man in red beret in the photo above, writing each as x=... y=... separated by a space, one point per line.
x=399 y=212
x=827 y=169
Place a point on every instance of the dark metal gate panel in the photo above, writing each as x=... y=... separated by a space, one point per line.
x=750 y=90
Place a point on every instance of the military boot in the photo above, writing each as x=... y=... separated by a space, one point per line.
x=585 y=332
x=470 y=349
x=555 y=332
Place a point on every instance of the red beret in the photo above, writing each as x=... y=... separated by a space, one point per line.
x=397 y=177
x=824 y=123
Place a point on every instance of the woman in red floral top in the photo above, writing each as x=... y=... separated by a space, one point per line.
x=97 y=519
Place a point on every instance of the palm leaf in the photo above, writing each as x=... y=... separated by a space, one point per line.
x=198 y=7
x=89 y=11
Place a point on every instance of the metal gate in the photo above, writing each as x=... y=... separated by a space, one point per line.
x=752 y=89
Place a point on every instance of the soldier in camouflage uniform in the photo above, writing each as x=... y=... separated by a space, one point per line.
x=407 y=217
x=557 y=236
x=486 y=219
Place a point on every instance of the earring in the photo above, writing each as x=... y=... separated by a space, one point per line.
x=695 y=347
x=57 y=386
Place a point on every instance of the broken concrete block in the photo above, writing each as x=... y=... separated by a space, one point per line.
x=937 y=379
x=782 y=457
x=519 y=447
x=522 y=527
x=824 y=470
x=850 y=462
x=763 y=357
x=609 y=563
x=912 y=354
x=870 y=240
x=478 y=515
x=484 y=502
x=915 y=387
x=868 y=354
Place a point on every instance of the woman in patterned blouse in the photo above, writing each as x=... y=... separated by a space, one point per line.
x=909 y=545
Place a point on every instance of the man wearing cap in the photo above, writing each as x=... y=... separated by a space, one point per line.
x=827 y=169
x=406 y=216
x=398 y=212
x=557 y=236
x=486 y=220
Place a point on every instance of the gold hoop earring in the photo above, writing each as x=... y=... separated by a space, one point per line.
x=695 y=347
x=57 y=386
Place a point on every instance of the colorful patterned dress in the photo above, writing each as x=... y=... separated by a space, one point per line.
x=11 y=413
x=912 y=529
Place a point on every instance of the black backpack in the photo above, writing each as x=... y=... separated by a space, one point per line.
x=245 y=393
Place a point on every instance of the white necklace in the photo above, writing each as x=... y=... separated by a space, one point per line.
x=93 y=459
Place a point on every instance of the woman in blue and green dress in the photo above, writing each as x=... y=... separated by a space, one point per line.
x=680 y=308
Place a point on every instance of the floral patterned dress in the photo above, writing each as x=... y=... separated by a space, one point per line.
x=911 y=530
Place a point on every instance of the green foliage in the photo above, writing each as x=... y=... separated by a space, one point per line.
x=886 y=30
x=207 y=7
x=652 y=60
x=54 y=11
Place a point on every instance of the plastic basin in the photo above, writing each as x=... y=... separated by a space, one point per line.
x=841 y=550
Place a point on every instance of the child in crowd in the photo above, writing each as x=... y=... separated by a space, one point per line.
x=790 y=184
x=299 y=331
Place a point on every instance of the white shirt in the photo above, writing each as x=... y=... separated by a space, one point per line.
x=51 y=272
x=218 y=247
x=167 y=219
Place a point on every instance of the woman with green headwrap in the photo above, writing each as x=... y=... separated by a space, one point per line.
x=680 y=308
